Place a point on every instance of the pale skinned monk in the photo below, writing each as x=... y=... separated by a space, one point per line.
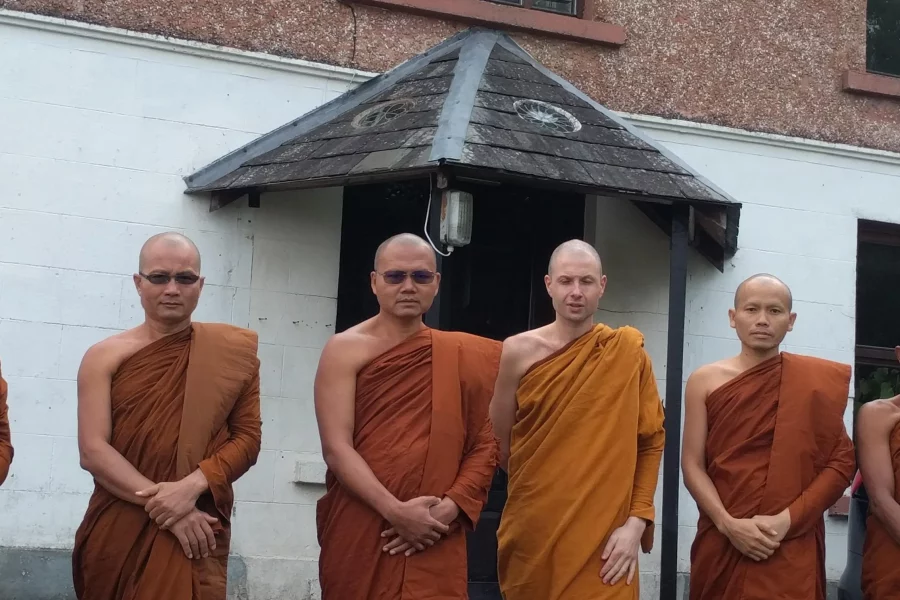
x=403 y=417
x=6 y=448
x=168 y=419
x=580 y=423
x=878 y=445
x=765 y=454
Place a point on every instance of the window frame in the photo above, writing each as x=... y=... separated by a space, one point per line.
x=529 y=5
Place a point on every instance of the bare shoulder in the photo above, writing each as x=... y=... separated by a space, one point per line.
x=108 y=354
x=708 y=377
x=351 y=350
x=522 y=350
x=524 y=344
x=880 y=413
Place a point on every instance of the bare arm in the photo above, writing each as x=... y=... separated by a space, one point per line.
x=335 y=399
x=693 y=453
x=874 y=424
x=101 y=460
x=503 y=404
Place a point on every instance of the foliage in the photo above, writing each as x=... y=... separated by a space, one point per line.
x=881 y=383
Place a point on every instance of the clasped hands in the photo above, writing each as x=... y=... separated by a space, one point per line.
x=172 y=506
x=418 y=524
x=757 y=538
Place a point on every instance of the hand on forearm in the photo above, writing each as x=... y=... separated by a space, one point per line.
x=446 y=512
x=168 y=502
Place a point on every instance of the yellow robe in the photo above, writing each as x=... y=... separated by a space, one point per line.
x=584 y=457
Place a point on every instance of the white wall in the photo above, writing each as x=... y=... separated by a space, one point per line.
x=801 y=202
x=98 y=130
x=95 y=136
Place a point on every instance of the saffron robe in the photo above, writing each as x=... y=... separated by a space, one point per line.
x=188 y=400
x=881 y=553
x=776 y=440
x=423 y=427
x=6 y=448
x=584 y=457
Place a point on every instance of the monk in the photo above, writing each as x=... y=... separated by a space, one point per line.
x=580 y=424
x=6 y=448
x=168 y=419
x=765 y=453
x=403 y=416
x=878 y=445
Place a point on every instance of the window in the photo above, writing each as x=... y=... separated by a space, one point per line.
x=883 y=37
x=563 y=7
x=877 y=318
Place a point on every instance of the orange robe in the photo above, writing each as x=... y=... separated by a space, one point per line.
x=584 y=457
x=186 y=401
x=422 y=426
x=6 y=449
x=881 y=553
x=776 y=440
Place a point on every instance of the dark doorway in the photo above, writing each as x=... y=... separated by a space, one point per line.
x=494 y=287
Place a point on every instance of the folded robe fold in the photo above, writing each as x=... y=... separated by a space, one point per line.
x=776 y=439
x=187 y=401
x=584 y=456
x=422 y=426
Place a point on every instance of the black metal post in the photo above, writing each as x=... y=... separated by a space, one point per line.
x=438 y=316
x=678 y=255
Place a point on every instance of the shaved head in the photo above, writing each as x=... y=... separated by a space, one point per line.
x=575 y=247
x=170 y=241
x=406 y=241
x=769 y=281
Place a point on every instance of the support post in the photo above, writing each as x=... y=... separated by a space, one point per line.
x=438 y=316
x=678 y=256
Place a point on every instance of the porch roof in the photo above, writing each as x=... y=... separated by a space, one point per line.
x=475 y=106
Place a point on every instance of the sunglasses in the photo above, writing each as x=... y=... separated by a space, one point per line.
x=164 y=278
x=398 y=277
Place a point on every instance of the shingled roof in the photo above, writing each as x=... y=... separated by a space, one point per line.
x=479 y=105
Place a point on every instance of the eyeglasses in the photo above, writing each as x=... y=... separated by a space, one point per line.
x=164 y=278
x=398 y=277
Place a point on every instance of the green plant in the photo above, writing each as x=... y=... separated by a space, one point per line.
x=881 y=383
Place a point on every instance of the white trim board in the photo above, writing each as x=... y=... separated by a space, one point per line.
x=647 y=122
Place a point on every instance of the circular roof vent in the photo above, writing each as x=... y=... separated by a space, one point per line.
x=546 y=115
x=382 y=113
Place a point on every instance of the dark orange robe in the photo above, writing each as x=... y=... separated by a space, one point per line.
x=584 y=457
x=6 y=448
x=881 y=553
x=423 y=427
x=776 y=440
x=186 y=401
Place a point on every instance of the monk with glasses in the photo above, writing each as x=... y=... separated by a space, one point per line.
x=168 y=419
x=403 y=416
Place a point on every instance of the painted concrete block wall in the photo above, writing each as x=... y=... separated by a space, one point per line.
x=96 y=137
x=801 y=203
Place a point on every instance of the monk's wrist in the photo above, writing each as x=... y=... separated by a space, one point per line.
x=197 y=482
x=723 y=522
